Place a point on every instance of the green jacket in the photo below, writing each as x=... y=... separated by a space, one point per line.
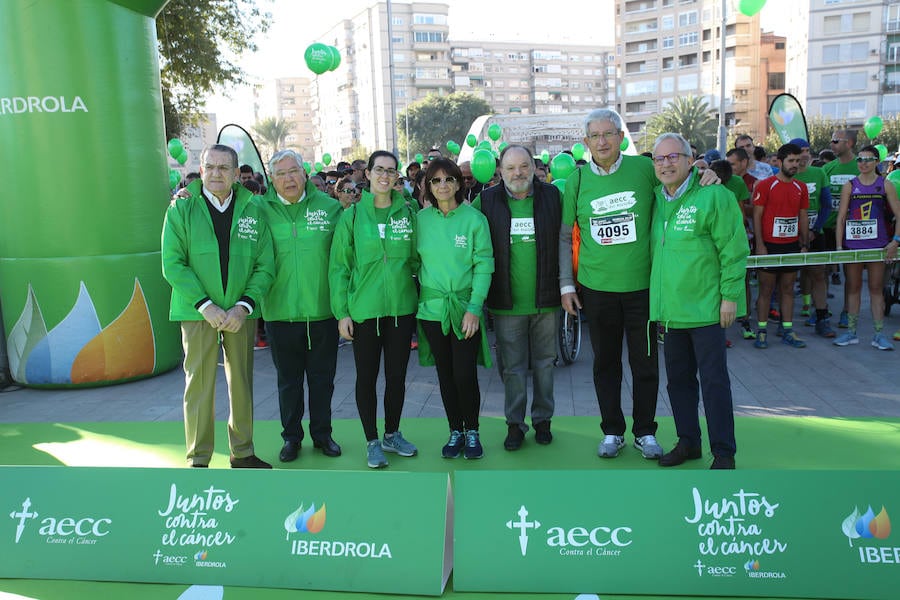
x=699 y=256
x=302 y=237
x=190 y=254
x=371 y=276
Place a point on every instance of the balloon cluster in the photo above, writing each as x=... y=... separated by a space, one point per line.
x=321 y=57
x=177 y=151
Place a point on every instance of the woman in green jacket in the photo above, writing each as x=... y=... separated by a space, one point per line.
x=457 y=261
x=373 y=297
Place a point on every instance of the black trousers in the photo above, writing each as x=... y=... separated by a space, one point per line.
x=391 y=335
x=304 y=350
x=687 y=352
x=612 y=316
x=457 y=371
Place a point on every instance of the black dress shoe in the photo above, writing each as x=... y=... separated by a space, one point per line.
x=249 y=462
x=723 y=462
x=514 y=437
x=328 y=446
x=680 y=453
x=200 y=466
x=542 y=433
x=289 y=451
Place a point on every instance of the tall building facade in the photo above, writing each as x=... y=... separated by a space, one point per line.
x=289 y=98
x=671 y=48
x=534 y=78
x=844 y=57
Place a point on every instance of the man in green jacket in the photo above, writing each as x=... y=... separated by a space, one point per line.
x=696 y=289
x=217 y=256
x=301 y=329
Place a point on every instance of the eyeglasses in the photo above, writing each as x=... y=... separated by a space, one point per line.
x=668 y=158
x=382 y=171
x=837 y=141
x=607 y=135
x=450 y=179
x=289 y=173
x=218 y=168
x=331 y=181
x=348 y=190
x=866 y=159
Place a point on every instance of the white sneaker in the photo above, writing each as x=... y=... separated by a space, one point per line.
x=610 y=446
x=648 y=446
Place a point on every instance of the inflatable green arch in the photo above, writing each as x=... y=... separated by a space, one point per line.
x=83 y=149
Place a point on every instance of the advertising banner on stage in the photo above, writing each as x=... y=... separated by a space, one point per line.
x=811 y=534
x=349 y=531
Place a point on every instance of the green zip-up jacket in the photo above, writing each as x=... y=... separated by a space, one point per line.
x=699 y=256
x=372 y=276
x=190 y=254
x=302 y=235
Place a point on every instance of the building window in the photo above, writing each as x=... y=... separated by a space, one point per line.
x=430 y=37
x=686 y=19
x=668 y=21
x=668 y=42
x=776 y=81
x=688 y=39
x=429 y=19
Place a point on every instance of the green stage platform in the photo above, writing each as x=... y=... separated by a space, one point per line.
x=801 y=443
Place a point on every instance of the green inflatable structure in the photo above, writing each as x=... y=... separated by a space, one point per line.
x=82 y=142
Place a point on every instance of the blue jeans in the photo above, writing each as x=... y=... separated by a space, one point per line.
x=518 y=338
x=688 y=351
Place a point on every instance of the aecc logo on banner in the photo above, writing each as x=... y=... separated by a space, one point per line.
x=575 y=541
x=61 y=530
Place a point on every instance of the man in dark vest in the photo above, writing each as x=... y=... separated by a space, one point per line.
x=524 y=215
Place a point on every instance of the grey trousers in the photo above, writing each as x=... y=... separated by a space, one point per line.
x=518 y=337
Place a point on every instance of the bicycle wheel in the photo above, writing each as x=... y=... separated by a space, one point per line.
x=569 y=337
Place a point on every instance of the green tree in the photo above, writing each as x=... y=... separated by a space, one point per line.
x=199 y=43
x=271 y=132
x=688 y=115
x=435 y=120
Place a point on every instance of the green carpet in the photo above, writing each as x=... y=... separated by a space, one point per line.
x=763 y=443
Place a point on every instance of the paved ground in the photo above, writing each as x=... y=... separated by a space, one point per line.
x=820 y=380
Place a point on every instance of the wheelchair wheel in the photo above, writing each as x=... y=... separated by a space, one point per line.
x=569 y=337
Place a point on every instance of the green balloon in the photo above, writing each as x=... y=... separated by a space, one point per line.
x=624 y=145
x=335 y=56
x=503 y=146
x=751 y=7
x=494 y=132
x=873 y=127
x=545 y=157
x=471 y=140
x=560 y=184
x=485 y=144
x=182 y=158
x=483 y=165
x=319 y=166
x=453 y=147
x=175 y=147
x=578 y=151
x=318 y=58
x=882 y=151
x=307 y=167
x=174 y=178
x=326 y=158
x=562 y=166
x=894 y=177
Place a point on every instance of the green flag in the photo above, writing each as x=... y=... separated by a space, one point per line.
x=786 y=116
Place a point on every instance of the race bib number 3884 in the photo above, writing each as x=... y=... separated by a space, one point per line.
x=614 y=229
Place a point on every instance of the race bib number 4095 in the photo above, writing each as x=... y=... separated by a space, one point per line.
x=615 y=229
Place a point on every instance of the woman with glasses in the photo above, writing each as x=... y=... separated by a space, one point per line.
x=373 y=297
x=347 y=193
x=862 y=224
x=457 y=260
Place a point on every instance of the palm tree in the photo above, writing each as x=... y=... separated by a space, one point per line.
x=688 y=115
x=271 y=133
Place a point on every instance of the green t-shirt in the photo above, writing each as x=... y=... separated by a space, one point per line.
x=613 y=213
x=522 y=259
x=736 y=186
x=838 y=174
x=815 y=180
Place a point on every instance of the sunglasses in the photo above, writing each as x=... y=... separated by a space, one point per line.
x=866 y=159
x=837 y=141
x=348 y=190
x=440 y=180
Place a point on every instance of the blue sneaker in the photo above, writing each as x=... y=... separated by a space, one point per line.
x=790 y=339
x=881 y=342
x=847 y=338
x=375 y=455
x=823 y=329
x=811 y=321
x=843 y=321
x=395 y=442
x=761 y=340
x=453 y=447
x=473 y=447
